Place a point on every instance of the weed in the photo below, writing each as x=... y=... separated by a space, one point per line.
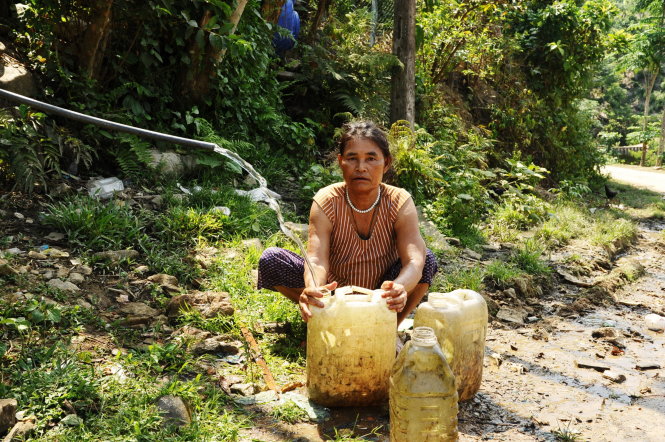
x=502 y=273
x=528 y=258
x=289 y=412
x=459 y=278
x=567 y=222
x=92 y=224
x=612 y=233
x=566 y=434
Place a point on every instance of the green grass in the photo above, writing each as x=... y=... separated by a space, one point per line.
x=95 y=225
x=459 y=278
x=568 y=221
x=528 y=256
x=289 y=412
x=609 y=231
x=502 y=273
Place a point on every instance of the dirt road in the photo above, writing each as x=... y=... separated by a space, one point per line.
x=643 y=177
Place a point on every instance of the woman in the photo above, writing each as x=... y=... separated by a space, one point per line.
x=361 y=232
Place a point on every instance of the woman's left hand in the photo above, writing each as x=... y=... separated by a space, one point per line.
x=396 y=295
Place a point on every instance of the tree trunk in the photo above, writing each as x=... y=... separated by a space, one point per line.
x=650 y=80
x=196 y=80
x=661 y=146
x=321 y=11
x=403 y=90
x=271 y=9
x=91 y=51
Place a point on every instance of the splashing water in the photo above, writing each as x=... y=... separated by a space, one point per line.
x=270 y=198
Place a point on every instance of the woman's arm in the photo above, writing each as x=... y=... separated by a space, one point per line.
x=411 y=250
x=318 y=252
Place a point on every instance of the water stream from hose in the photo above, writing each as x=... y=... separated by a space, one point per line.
x=270 y=198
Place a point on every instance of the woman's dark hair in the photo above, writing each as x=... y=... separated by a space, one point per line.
x=364 y=129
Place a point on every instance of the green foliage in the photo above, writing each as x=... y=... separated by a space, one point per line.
x=528 y=258
x=502 y=273
x=459 y=278
x=94 y=225
x=33 y=148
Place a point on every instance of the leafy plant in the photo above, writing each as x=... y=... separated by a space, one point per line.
x=289 y=412
x=95 y=225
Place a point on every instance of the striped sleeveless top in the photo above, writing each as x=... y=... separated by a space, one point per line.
x=353 y=260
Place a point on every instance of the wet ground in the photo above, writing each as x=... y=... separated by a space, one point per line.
x=557 y=377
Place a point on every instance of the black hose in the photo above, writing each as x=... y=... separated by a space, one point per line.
x=55 y=110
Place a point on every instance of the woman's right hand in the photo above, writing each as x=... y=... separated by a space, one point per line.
x=310 y=296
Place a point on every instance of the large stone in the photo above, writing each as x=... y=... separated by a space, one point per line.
x=6 y=269
x=63 y=285
x=7 y=414
x=515 y=315
x=171 y=163
x=14 y=77
x=174 y=411
x=163 y=279
x=435 y=240
x=138 y=313
x=204 y=342
x=117 y=255
x=209 y=304
x=21 y=431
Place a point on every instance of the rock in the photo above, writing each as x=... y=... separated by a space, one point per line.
x=300 y=230
x=316 y=412
x=252 y=243
x=261 y=398
x=592 y=364
x=243 y=389
x=76 y=278
x=494 y=247
x=174 y=411
x=14 y=251
x=209 y=304
x=84 y=304
x=18 y=215
x=604 y=332
x=434 y=239
x=117 y=255
x=495 y=360
x=71 y=420
x=6 y=269
x=453 y=241
x=21 y=431
x=171 y=163
x=573 y=280
x=140 y=270
x=48 y=274
x=204 y=342
x=515 y=315
x=614 y=376
x=54 y=236
x=55 y=253
x=471 y=254
x=221 y=209
x=163 y=279
x=647 y=366
x=36 y=255
x=83 y=270
x=138 y=313
x=158 y=201
x=14 y=77
x=63 y=285
x=7 y=414
x=62 y=272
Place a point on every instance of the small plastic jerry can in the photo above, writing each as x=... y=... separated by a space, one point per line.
x=350 y=348
x=459 y=320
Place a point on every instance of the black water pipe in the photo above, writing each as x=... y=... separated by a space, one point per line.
x=55 y=110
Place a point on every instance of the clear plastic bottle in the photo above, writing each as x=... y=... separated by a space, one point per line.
x=350 y=348
x=423 y=397
x=459 y=320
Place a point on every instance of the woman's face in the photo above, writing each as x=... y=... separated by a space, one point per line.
x=363 y=164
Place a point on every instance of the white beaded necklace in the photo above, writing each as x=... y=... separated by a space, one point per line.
x=348 y=200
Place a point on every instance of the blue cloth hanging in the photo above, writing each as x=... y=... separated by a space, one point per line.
x=289 y=20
